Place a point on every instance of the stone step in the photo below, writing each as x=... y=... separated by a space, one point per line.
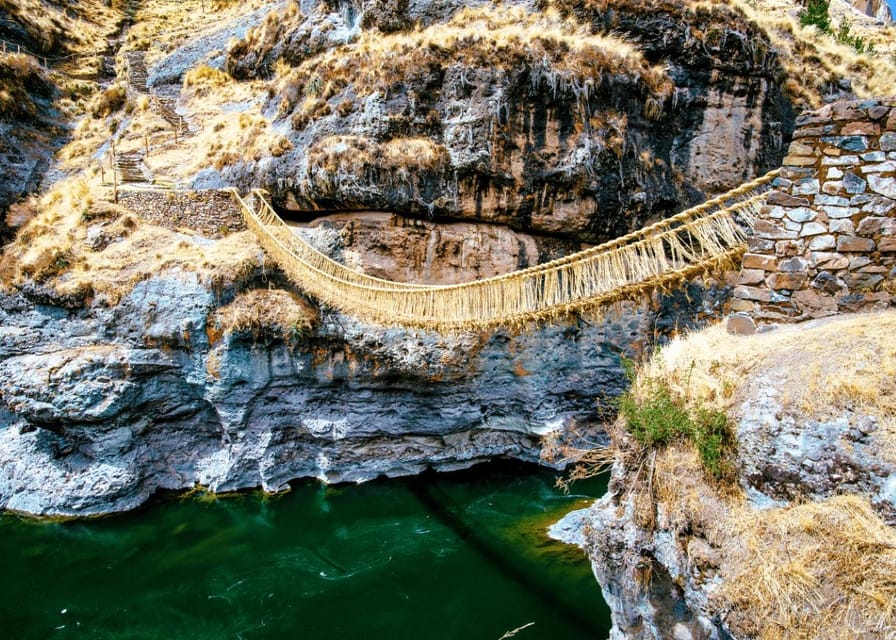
x=165 y=107
x=131 y=168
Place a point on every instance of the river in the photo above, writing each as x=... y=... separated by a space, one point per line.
x=461 y=555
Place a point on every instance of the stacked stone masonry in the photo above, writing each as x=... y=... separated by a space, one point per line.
x=825 y=242
x=210 y=213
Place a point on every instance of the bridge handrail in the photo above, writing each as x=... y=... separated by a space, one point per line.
x=647 y=258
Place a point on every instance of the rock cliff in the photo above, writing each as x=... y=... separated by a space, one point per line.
x=513 y=113
x=104 y=406
x=792 y=543
x=44 y=46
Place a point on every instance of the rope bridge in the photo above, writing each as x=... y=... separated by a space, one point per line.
x=692 y=242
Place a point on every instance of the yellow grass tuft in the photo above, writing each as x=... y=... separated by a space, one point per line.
x=20 y=79
x=204 y=77
x=260 y=311
x=55 y=29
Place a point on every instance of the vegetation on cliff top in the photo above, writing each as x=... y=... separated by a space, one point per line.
x=803 y=570
x=556 y=51
x=812 y=59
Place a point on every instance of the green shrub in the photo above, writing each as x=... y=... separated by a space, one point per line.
x=657 y=417
x=844 y=36
x=816 y=14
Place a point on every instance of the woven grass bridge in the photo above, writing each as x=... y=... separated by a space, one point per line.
x=659 y=256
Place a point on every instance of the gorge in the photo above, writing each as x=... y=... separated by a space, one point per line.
x=148 y=344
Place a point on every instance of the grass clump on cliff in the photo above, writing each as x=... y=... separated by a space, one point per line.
x=558 y=51
x=59 y=27
x=816 y=14
x=655 y=416
x=799 y=571
x=268 y=312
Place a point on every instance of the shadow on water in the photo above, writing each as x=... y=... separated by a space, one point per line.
x=443 y=556
x=494 y=550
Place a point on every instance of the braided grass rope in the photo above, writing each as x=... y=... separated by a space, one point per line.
x=659 y=256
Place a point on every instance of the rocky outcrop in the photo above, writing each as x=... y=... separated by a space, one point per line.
x=486 y=118
x=390 y=246
x=669 y=545
x=104 y=406
x=878 y=9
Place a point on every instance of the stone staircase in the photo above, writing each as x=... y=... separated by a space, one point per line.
x=136 y=70
x=131 y=168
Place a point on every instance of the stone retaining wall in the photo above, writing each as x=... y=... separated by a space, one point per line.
x=211 y=213
x=825 y=242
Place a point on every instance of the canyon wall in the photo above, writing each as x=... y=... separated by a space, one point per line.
x=588 y=139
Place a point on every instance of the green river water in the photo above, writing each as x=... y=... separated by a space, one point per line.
x=461 y=555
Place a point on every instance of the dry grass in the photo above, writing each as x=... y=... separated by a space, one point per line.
x=205 y=77
x=849 y=364
x=560 y=53
x=267 y=311
x=813 y=60
x=57 y=28
x=274 y=29
x=819 y=570
x=54 y=249
x=811 y=571
x=161 y=26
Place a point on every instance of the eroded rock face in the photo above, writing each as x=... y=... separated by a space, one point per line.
x=410 y=250
x=28 y=135
x=729 y=119
x=661 y=564
x=102 y=407
x=534 y=144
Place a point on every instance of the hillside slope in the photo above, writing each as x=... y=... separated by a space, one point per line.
x=51 y=57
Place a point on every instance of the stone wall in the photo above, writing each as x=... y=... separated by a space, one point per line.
x=211 y=213
x=825 y=242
